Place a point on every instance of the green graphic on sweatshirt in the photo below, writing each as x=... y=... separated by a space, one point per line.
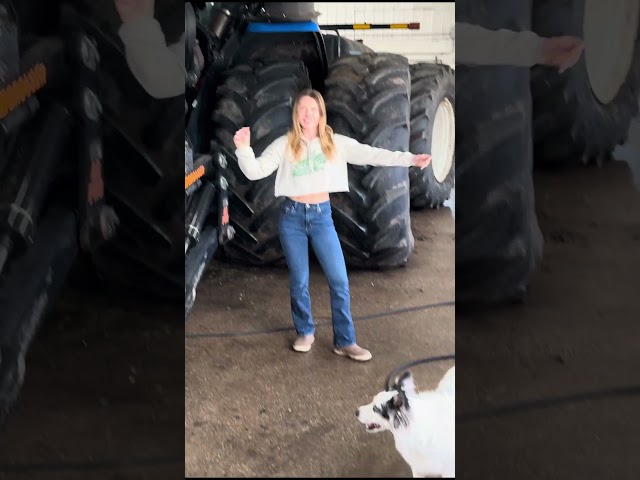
x=308 y=165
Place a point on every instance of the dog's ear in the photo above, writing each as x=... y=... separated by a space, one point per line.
x=406 y=384
x=399 y=400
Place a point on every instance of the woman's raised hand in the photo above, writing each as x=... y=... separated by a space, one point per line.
x=242 y=138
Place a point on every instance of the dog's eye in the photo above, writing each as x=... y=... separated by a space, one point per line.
x=382 y=411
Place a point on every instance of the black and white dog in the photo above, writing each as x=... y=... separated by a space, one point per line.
x=423 y=424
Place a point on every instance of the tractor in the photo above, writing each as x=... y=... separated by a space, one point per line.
x=515 y=120
x=258 y=56
x=90 y=167
x=91 y=164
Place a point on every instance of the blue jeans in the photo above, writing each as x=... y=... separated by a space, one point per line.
x=299 y=223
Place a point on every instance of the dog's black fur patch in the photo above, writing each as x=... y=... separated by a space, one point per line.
x=382 y=410
x=398 y=405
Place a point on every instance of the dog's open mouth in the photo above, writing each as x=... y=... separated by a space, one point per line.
x=372 y=426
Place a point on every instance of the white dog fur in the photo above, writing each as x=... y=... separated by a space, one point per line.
x=423 y=424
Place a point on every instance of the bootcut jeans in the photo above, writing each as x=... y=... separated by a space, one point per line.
x=300 y=223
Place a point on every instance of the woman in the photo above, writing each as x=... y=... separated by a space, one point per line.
x=312 y=162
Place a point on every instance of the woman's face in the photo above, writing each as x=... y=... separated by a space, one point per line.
x=308 y=113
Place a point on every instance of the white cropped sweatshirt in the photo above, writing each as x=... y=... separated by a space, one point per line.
x=160 y=68
x=313 y=173
x=476 y=45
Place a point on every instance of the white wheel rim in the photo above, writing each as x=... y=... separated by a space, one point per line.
x=443 y=137
x=610 y=30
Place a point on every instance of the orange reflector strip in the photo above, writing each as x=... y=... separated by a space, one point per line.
x=193 y=177
x=21 y=89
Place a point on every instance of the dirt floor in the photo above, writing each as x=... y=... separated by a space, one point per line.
x=568 y=360
x=103 y=393
x=254 y=407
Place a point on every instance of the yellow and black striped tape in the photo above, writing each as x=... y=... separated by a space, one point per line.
x=371 y=26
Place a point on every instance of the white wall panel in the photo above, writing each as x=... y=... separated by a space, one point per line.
x=432 y=42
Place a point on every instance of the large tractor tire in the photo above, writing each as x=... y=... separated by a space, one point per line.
x=143 y=169
x=498 y=241
x=338 y=47
x=580 y=116
x=433 y=132
x=260 y=96
x=141 y=184
x=367 y=99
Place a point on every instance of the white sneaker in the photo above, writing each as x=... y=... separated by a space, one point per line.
x=354 y=352
x=303 y=343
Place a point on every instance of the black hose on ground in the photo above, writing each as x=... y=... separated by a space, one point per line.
x=393 y=376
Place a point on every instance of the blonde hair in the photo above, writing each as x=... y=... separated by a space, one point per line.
x=325 y=132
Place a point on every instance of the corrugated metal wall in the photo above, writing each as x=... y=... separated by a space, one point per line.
x=433 y=41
